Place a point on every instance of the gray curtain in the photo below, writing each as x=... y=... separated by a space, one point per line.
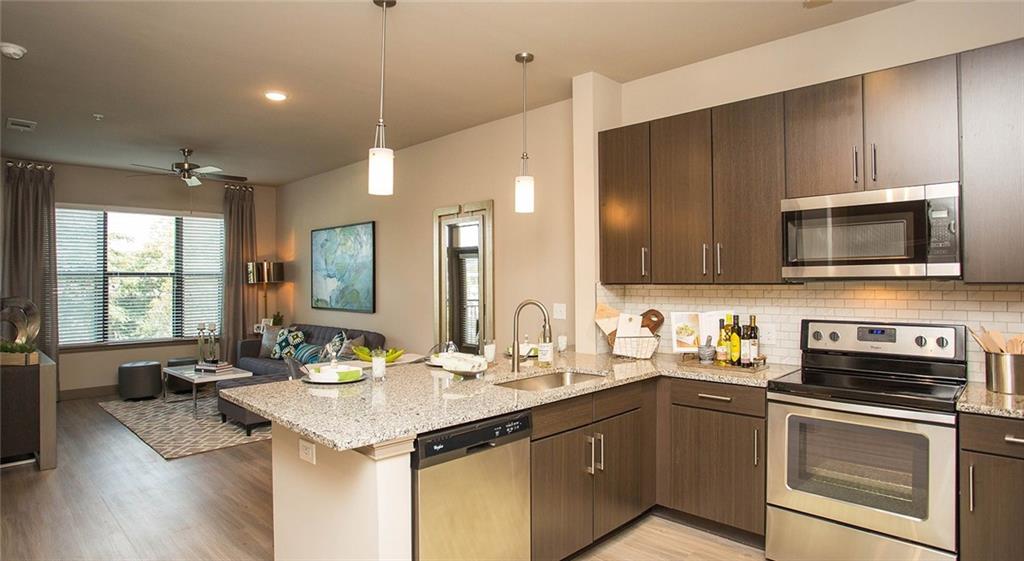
x=240 y=298
x=29 y=244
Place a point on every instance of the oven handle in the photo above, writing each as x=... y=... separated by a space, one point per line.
x=891 y=413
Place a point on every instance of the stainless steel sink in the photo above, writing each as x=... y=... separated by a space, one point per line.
x=550 y=381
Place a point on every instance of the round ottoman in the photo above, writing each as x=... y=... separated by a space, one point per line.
x=139 y=379
x=177 y=385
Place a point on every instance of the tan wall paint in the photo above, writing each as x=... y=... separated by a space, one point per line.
x=111 y=188
x=892 y=37
x=532 y=252
x=907 y=33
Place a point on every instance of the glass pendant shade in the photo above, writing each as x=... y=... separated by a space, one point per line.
x=382 y=171
x=524 y=194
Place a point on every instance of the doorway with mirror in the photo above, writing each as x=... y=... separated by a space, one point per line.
x=463 y=276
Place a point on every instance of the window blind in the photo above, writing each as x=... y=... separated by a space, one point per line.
x=132 y=276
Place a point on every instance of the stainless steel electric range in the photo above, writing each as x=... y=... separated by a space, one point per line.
x=862 y=443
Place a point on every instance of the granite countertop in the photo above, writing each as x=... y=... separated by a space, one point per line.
x=416 y=398
x=977 y=399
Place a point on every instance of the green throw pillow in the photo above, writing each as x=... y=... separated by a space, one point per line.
x=288 y=341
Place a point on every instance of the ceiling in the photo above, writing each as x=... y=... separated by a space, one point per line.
x=173 y=74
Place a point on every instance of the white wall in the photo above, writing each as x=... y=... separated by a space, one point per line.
x=112 y=188
x=533 y=253
x=892 y=37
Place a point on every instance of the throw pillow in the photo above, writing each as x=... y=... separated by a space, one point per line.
x=307 y=353
x=269 y=340
x=345 y=347
x=287 y=341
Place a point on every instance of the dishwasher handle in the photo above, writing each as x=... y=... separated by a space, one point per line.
x=481 y=447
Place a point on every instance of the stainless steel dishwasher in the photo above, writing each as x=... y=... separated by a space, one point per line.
x=471 y=491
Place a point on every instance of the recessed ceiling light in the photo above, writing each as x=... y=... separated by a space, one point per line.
x=275 y=95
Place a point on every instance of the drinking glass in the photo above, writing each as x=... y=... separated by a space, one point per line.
x=378 y=361
x=489 y=350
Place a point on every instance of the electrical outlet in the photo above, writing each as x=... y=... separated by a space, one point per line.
x=767 y=337
x=559 y=311
x=307 y=451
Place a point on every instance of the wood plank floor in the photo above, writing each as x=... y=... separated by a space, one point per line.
x=113 y=498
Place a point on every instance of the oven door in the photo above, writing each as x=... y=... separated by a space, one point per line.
x=883 y=233
x=851 y=464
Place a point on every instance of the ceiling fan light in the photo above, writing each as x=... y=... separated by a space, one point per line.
x=524 y=194
x=382 y=171
x=274 y=95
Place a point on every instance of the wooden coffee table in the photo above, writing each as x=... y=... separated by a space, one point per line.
x=188 y=373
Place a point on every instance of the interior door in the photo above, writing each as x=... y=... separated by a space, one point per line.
x=717 y=465
x=562 y=494
x=749 y=185
x=624 y=197
x=617 y=476
x=825 y=139
x=681 y=212
x=911 y=125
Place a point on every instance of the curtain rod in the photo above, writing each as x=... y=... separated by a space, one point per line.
x=238 y=186
x=22 y=163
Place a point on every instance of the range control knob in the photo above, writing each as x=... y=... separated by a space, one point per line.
x=816 y=335
x=920 y=341
x=942 y=342
x=834 y=337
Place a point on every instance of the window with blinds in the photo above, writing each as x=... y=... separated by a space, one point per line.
x=130 y=276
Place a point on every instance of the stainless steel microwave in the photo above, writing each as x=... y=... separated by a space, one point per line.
x=888 y=233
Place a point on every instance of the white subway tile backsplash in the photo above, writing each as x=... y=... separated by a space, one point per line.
x=779 y=308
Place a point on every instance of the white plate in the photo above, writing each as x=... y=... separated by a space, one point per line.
x=309 y=380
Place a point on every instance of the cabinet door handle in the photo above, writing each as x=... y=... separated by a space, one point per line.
x=970 y=487
x=874 y=162
x=643 y=261
x=718 y=257
x=590 y=468
x=600 y=463
x=1010 y=439
x=704 y=258
x=756 y=459
x=856 y=165
x=714 y=397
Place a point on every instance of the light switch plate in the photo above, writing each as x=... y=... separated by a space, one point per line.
x=559 y=311
x=307 y=451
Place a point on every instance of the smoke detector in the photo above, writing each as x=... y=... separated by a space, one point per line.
x=21 y=125
x=12 y=51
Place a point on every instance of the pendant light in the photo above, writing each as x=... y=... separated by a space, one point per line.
x=524 y=181
x=382 y=159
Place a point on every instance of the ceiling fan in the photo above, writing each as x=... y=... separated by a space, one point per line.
x=191 y=173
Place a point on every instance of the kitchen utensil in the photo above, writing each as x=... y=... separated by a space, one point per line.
x=652 y=319
x=1004 y=373
x=998 y=338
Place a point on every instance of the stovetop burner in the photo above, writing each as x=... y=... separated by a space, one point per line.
x=915 y=366
x=868 y=388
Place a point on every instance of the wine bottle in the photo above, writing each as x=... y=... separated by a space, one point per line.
x=722 y=348
x=745 y=359
x=755 y=340
x=734 y=341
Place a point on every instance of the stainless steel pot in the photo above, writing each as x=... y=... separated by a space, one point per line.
x=1004 y=373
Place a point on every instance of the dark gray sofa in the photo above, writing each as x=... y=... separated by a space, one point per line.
x=266 y=370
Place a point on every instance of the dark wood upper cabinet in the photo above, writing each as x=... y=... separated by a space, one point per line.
x=625 y=204
x=911 y=129
x=562 y=520
x=992 y=113
x=749 y=185
x=681 y=213
x=717 y=466
x=617 y=479
x=825 y=139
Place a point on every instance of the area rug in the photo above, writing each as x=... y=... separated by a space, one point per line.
x=169 y=429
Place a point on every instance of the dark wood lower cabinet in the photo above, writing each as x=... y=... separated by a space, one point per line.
x=562 y=520
x=617 y=478
x=717 y=463
x=991 y=507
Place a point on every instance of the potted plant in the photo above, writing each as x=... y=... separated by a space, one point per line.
x=278 y=319
x=17 y=354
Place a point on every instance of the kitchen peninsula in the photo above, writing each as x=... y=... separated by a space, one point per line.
x=355 y=501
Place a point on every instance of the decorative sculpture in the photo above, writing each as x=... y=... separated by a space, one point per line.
x=23 y=315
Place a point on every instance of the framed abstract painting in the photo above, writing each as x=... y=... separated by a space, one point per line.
x=343 y=272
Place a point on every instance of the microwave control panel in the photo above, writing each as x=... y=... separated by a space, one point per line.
x=943 y=230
